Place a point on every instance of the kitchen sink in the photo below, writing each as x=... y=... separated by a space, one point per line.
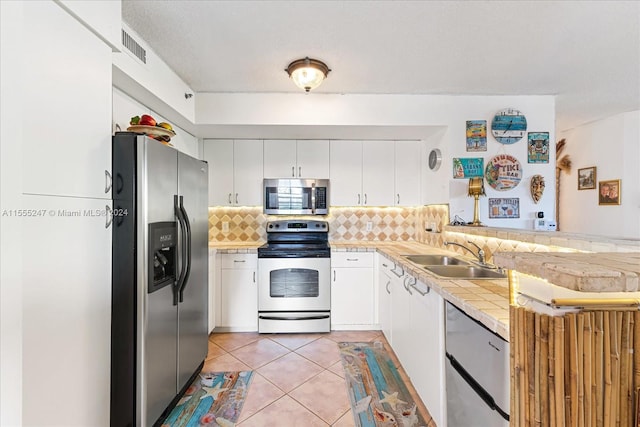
x=437 y=260
x=465 y=272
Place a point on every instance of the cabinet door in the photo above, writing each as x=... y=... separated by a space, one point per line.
x=426 y=368
x=345 y=172
x=384 y=302
x=66 y=311
x=377 y=173
x=280 y=158
x=407 y=173
x=312 y=159
x=67 y=107
x=247 y=172
x=401 y=330
x=239 y=299
x=352 y=296
x=219 y=154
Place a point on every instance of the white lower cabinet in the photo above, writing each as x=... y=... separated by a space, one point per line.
x=426 y=361
x=238 y=296
x=66 y=313
x=384 y=296
x=412 y=319
x=352 y=290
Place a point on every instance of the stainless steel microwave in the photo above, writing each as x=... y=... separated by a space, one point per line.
x=296 y=196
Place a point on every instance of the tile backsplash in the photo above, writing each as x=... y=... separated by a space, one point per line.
x=247 y=224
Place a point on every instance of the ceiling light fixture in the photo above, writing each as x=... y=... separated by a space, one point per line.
x=307 y=73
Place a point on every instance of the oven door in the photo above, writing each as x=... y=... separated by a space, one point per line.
x=294 y=284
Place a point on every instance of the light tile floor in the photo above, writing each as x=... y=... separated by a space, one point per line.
x=298 y=378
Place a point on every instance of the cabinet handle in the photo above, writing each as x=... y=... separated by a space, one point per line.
x=398 y=202
x=334 y=275
x=419 y=291
x=236 y=198
x=352 y=259
x=384 y=265
x=108 y=181
x=293 y=171
x=109 y=216
x=358 y=198
x=229 y=198
x=239 y=260
x=387 y=286
x=254 y=277
x=365 y=198
x=406 y=287
x=299 y=171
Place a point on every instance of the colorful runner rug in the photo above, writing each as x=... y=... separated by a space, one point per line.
x=213 y=399
x=378 y=395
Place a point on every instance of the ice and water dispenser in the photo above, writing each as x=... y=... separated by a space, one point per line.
x=163 y=259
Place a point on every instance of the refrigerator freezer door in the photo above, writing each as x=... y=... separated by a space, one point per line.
x=157 y=316
x=193 y=309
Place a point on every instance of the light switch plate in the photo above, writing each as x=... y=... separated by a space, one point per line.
x=369 y=225
x=225 y=226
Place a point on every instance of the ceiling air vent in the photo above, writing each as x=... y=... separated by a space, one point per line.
x=133 y=46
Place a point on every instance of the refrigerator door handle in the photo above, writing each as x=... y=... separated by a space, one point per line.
x=187 y=245
x=183 y=257
x=480 y=391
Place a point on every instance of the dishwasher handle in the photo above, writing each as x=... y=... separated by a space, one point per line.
x=480 y=391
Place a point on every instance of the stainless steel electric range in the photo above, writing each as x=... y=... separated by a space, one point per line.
x=294 y=289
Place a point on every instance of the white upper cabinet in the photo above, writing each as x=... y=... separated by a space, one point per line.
x=345 y=173
x=235 y=171
x=312 y=158
x=408 y=173
x=361 y=173
x=67 y=107
x=247 y=172
x=288 y=158
x=377 y=173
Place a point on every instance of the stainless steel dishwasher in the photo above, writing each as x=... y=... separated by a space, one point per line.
x=477 y=373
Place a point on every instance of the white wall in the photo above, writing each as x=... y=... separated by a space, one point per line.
x=425 y=115
x=11 y=15
x=613 y=146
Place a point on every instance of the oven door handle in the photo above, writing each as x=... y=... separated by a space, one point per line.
x=323 y=316
x=313 y=198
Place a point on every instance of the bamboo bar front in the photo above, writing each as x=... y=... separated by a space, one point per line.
x=580 y=369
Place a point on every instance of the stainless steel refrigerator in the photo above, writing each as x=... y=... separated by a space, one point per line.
x=159 y=282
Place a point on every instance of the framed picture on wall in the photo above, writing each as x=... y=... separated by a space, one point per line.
x=476 y=135
x=504 y=208
x=609 y=192
x=587 y=178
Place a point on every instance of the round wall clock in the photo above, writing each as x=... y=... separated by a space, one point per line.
x=435 y=158
x=508 y=126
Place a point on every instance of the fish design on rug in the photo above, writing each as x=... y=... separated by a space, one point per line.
x=392 y=399
x=363 y=404
x=384 y=419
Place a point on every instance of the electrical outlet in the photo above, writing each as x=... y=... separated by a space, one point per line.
x=369 y=225
x=225 y=226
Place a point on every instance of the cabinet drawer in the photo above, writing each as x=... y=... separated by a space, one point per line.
x=351 y=259
x=239 y=261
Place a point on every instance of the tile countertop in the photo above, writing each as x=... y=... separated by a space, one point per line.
x=236 y=248
x=584 y=272
x=487 y=301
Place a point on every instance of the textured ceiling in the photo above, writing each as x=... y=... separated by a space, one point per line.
x=585 y=52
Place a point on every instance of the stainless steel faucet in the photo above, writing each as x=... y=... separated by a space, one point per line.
x=479 y=255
